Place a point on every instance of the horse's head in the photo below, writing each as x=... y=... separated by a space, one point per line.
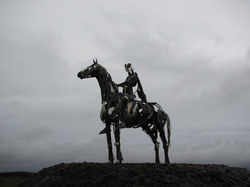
x=90 y=71
x=108 y=87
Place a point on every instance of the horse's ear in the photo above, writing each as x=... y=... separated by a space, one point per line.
x=95 y=61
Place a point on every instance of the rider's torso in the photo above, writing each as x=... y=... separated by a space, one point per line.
x=131 y=82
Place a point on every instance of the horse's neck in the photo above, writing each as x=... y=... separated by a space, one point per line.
x=107 y=87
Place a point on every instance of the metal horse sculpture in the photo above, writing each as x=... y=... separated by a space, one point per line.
x=149 y=116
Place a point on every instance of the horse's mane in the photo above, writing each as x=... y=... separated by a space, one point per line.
x=108 y=76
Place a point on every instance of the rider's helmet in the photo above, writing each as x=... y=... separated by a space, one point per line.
x=129 y=68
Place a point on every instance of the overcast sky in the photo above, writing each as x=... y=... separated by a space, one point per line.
x=192 y=57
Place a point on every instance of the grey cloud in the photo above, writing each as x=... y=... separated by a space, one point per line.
x=225 y=147
x=236 y=86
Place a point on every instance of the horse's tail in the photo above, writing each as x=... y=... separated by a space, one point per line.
x=168 y=128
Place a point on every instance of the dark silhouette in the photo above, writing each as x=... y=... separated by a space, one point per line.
x=122 y=110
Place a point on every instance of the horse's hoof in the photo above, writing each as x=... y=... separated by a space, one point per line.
x=118 y=161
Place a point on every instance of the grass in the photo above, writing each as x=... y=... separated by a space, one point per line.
x=13 y=179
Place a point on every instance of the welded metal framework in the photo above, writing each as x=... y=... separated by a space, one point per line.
x=122 y=109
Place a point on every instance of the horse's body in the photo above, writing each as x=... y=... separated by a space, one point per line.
x=149 y=116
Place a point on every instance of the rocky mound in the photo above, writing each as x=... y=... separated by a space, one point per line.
x=146 y=174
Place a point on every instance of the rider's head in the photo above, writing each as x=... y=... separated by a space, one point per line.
x=129 y=68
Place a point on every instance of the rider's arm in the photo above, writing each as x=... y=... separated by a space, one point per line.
x=121 y=84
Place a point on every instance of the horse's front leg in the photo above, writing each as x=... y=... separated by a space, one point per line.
x=117 y=144
x=109 y=142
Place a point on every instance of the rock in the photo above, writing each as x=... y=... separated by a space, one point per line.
x=141 y=174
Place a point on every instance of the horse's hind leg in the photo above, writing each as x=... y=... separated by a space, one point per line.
x=154 y=139
x=109 y=142
x=165 y=143
x=117 y=144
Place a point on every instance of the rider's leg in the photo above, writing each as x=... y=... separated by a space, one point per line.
x=103 y=131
